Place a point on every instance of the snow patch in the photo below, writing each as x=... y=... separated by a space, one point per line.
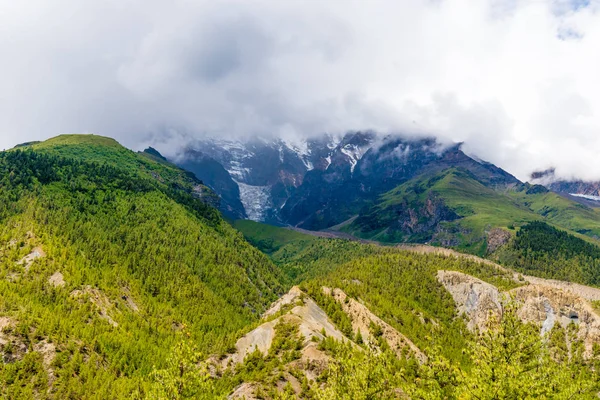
x=354 y=153
x=300 y=147
x=238 y=172
x=586 y=196
x=256 y=200
x=309 y=166
x=334 y=141
x=328 y=159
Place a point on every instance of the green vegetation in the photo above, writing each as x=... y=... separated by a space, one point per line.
x=118 y=280
x=141 y=257
x=563 y=213
x=397 y=285
x=453 y=198
x=510 y=362
x=453 y=209
x=269 y=239
x=402 y=289
x=542 y=250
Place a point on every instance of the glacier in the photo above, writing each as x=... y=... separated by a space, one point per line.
x=256 y=200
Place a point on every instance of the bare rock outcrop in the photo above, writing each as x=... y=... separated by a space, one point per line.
x=473 y=297
x=57 y=279
x=245 y=391
x=99 y=299
x=496 y=238
x=294 y=295
x=547 y=306
x=312 y=321
x=542 y=304
x=28 y=260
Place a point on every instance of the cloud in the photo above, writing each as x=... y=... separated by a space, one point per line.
x=516 y=80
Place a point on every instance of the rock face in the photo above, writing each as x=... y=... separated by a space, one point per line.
x=218 y=179
x=408 y=220
x=542 y=303
x=102 y=303
x=496 y=238
x=547 y=306
x=473 y=297
x=57 y=279
x=28 y=260
x=311 y=319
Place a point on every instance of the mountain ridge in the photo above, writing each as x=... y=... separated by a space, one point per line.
x=332 y=180
x=118 y=279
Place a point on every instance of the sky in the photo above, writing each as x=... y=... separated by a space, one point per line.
x=517 y=81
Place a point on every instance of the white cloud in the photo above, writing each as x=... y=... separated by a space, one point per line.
x=516 y=80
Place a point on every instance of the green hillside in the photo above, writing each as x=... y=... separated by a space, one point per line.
x=542 y=250
x=105 y=255
x=268 y=238
x=118 y=279
x=454 y=209
x=401 y=287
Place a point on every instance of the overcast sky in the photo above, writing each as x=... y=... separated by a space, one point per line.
x=517 y=80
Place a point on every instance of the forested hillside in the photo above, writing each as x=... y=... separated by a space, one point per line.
x=119 y=279
x=542 y=250
x=105 y=256
x=401 y=287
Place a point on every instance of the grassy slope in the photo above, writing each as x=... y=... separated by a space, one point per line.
x=116 y=232
x=268 y=238
x=562 y=212
x=482 y=208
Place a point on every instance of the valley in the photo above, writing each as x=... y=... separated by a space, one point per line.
x=300 y=200
x=120 y=279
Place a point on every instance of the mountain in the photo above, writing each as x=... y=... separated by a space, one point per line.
x=255 y=177
x=400 y=306
x=381 y=187
x=320 y=182
x=215 y=176
x=119 y=279
x=576 y=189
x=455 y=208
x=330 y=197
x=106 y=257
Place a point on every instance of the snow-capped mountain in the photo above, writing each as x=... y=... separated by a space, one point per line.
x=318 y=182
x=577 y=188
x=267 y=171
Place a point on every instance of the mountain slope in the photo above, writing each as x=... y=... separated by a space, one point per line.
x=431 y=298
x=320 y=182
x=330 y=197
x=105 y=255
x=576 y=187
x=214 y=175
x=118 y=279
x=455 y=208
x=542 y=250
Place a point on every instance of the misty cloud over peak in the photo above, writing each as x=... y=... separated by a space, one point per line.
x=515 y=80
